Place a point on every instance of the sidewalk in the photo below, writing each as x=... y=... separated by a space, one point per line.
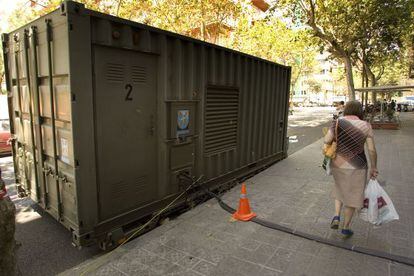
x=294 y=192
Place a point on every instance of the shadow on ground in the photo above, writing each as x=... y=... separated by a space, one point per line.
x=44 y=245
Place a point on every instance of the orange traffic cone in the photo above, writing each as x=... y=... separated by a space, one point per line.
x=244 y=213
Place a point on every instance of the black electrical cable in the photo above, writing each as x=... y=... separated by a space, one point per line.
x=354 y=248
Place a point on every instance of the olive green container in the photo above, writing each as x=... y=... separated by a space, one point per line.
x=111 y=119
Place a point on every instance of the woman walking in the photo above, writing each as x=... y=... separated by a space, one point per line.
x=349 y=167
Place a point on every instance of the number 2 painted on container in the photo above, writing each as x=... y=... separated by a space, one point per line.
x=128 y=96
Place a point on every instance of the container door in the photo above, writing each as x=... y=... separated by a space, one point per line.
x=125 y=97
x=18 y=59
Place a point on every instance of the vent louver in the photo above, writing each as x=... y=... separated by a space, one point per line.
x=115 y=72
x=139 y=74
x=221 y=117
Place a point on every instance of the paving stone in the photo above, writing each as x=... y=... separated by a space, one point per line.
x=131 y=266
x=154 y=262
x=204 y=268
x=349 y=263
x=234 y=266
x=168 y=253
x=401 y=270
x=292 y=243
x=160 y=266
x=269 y=272
x=175 y=270
x=189 y=261
x=298 y=265
x=375 y=266
x=281 y=259
x=309 y=247
x=269 y=236
x=259 y=256
x=321 y=267
x=329 y=253
x=108 y=270
x=249 y=244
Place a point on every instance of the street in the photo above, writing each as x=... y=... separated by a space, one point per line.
x=305 y=125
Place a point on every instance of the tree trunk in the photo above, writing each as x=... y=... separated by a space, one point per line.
x=349 y=78
x=373 y=82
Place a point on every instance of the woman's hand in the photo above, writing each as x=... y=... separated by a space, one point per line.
x=373 y=173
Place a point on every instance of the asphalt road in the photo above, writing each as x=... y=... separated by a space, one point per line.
x=305 y=126
x=45 y=245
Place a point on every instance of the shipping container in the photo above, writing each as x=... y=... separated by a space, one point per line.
x=111 y=118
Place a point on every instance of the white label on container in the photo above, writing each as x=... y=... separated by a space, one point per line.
x=64 y=150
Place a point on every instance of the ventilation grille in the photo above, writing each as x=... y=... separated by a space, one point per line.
x=139 y=74
x=115 y=72
x=221 y=116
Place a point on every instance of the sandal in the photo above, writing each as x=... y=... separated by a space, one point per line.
x=347 y=233
x=335 y=222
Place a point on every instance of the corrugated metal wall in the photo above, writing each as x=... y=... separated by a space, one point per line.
x=187 y=68
x=237 y=104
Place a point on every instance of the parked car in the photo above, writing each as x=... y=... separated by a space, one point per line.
x=5 y=145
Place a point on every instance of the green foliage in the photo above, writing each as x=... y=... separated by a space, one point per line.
x=314 y=85
x=368 y=32
x=270 y=38
x=384 y=30
x=334 y=23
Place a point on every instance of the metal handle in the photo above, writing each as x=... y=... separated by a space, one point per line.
x=48 y=171
x=63 y=178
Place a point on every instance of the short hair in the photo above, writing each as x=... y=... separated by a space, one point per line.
x=342 y=102
x=354 y=108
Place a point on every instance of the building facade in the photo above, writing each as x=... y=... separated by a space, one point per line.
x=322 y=86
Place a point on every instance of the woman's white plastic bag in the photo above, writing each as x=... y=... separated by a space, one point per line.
x=378 y=207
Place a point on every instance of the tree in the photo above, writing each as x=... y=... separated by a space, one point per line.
x=370 y=30
x=384 y=28
x=204 y=20
x=272 y=39
x=314 y=85
x=333 y=22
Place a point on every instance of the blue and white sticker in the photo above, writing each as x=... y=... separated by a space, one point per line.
x=183 y=121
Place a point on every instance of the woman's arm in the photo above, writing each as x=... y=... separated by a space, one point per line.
x=328 y=139
x=372 y=157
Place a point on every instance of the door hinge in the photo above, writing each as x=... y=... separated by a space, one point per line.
x=32 y=33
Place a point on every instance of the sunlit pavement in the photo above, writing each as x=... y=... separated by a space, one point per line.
x=305 y=125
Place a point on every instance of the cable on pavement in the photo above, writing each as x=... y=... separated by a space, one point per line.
x=338 y=244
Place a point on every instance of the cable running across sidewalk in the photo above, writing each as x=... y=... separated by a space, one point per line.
x=350 y=247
